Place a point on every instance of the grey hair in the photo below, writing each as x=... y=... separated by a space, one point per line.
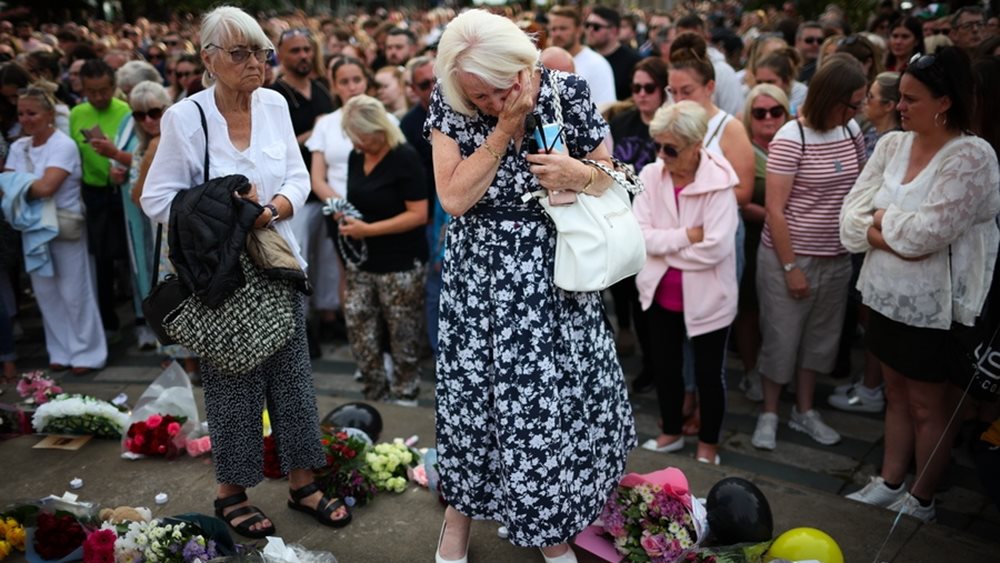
x=485 y=45
x=147 y=95
x=364 y=115
x=134 y=72
x=686 y=120
x=224 y=25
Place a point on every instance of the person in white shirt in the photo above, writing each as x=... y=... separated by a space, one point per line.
x=235 y=51
x=564 y=31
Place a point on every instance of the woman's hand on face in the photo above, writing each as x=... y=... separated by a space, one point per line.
x=798 y=285
x=558 y=171
x=353 y=228
x=519 y=103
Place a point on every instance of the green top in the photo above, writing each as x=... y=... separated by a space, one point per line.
x=96 y=168
x=759 y=174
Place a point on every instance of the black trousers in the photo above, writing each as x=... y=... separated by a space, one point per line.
x=628 y=312
x=667 y=329
x=105 y=216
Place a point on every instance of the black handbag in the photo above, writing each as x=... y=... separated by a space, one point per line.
x=165 y=298
x=975 y=351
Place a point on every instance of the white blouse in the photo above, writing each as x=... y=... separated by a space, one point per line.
x=272 y=161
x=950 y=207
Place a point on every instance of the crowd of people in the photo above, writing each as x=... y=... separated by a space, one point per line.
x=805 y=182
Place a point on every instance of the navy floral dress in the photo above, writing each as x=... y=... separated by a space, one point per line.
x=533 y=420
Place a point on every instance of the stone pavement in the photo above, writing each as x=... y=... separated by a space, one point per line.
x=801 y=479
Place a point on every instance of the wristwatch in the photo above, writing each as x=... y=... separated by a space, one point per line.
x=274 y=214
x=789 y=266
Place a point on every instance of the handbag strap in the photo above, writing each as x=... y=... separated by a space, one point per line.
x=154 y=267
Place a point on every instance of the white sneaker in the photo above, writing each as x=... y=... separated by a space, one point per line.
x=750 y=384
x=145 y=338
x=858 y=398
x=876 y=493
x=765 y=432
x=910 y=505
x=812 y=423
x=390 y=369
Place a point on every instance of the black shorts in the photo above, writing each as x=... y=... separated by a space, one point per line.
x=922 y=354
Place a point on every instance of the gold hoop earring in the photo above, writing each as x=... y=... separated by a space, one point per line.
x=944 y=122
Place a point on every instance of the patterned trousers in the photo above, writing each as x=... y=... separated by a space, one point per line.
x=398 y=299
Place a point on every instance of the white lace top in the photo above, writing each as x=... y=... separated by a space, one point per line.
x=951 y=205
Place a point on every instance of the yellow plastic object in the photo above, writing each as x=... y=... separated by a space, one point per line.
x=267 y=424
x=802 y=544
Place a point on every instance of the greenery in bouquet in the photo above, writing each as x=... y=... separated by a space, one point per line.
x=57 y=535
x=648 y=523
x=80 y=414
x=739 y=553
x=344 y=475
x=386 y=464
x=12 y=537
x=37 y=389
x=149 y=542
x=158 y=435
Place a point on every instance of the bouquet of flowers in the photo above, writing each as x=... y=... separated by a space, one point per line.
x=37 y=389
x=13 y=421
x=344 y=475
x=272 y=462
x=57 y=535
x=156 y=541
x=79 y=414
x=652 y=517
x=12 y=537
x=158 y=435
x=386 y=465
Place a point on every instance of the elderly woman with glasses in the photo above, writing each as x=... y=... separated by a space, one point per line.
x=924 y=212
x=249 y=133
x=688 y=215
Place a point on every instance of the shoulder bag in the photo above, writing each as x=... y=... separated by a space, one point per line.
x=250 y=325
x=599 y=241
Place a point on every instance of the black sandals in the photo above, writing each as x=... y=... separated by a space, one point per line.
x=326 y=506
x=244 y=528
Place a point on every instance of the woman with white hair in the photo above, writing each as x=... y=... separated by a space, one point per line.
x=533 y=420
x=688 y=286
x=249 y=133
x=385 y=183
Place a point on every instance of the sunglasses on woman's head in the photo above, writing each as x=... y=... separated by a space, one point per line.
x=761 y=113
x=152 y=113
x=649 y=89
x=668 y=150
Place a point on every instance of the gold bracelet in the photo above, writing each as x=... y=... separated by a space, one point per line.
x=593 y=176
x=495 y=154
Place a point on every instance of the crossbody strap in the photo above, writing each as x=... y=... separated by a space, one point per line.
x=159 y=227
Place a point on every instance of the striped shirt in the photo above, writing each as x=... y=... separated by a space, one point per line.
x=825 y=167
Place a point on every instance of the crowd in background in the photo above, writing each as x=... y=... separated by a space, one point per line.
x=755 y=77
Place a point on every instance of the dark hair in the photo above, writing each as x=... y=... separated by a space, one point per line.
x=655 y=68
x=880 y=19
x=859 y=47
x=566 y=12
x=45 y=64
x=833 y=84
x=914 y=26
x=192 y=59
x=974 y=10
x=785 y=62
x=804 y=26
x=97 y=68
x=689 y=52
x=343 y=60
x=691 y=21
x=986 y=48
x=948 y=72
x=987 y=74
x=405 y=32
x=607 y=14
x=13 y=74
x=81 y=51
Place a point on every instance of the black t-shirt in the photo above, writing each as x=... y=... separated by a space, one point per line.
x=412 y=126
x=304 y=112
x=622 y=61
x=632 y=141
x=383 y=194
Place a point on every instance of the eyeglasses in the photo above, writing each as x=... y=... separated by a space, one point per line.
x=969 y=26
x=172 y=42
x=667 y=150
x=423 y=85
x=595 y=26
x=761 y=113
x=154 y=57
x=240 y=55
x=185 y=74
x=152 y=113
x=648 y=88
x=298 y=31
x=812 y=40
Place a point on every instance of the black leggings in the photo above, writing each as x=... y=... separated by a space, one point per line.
x=667 y=330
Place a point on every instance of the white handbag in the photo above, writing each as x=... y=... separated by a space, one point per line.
x=599 y=240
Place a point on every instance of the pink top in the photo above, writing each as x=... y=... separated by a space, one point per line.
x=670 y=292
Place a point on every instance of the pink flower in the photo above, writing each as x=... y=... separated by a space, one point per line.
x=419 y=475
x=199 y=446
x=654 y=546
x=154 y=420
x=173 y=428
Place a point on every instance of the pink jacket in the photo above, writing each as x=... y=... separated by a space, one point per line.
x=709 y=278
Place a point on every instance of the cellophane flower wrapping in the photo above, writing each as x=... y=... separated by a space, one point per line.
x=344 y=475
x=169 y=397
x=80 y=414
x=653 y=517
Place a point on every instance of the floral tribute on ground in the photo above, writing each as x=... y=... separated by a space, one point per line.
x=158 y=435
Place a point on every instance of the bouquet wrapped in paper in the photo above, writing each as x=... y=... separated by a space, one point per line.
x=163 y=418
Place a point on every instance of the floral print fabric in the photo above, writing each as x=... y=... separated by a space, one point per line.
x=533 y=420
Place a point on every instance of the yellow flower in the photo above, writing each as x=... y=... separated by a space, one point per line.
x=16 y=536
x=4 y=549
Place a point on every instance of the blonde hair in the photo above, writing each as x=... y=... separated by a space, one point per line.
x=685 y=120
x=226 y=23
x=488 y=46
x=44 y=92
x=771 y=91
x=364 y=115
